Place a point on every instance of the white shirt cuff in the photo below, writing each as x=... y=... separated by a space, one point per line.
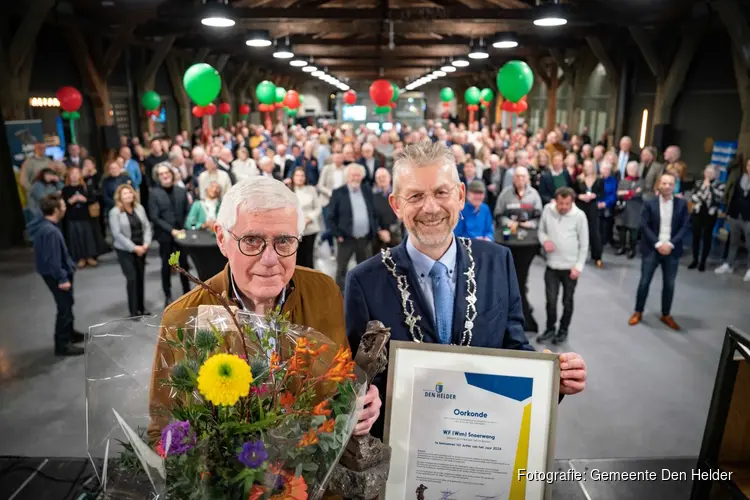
x=660 y=243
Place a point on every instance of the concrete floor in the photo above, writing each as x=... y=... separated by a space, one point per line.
x=647 y=395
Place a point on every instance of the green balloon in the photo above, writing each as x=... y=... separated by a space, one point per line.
x=265 y=91
x=382 y=110
x=75 y=115
x=301 y=98
x=65 y=115
x=471 y=96
x=151 y=101
x=487 y=95
x=395 y=92
x=447 y=94
x=514 y=80
x=280 y=94
x=202 y=83
x=291 y=112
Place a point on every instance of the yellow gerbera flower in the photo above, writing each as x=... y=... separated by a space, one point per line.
x=224 y=378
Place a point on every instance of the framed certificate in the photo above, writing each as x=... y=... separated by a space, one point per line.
x=470 y=423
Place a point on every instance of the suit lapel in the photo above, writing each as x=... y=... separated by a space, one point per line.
x=459 y=299
x=403 y=266
x=657 y=215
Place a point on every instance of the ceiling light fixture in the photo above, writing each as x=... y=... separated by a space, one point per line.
x=550 y=14
x=310 y=69
x=258 y=38
x=298 y=63
x=283 y=51
x=437 y=72
x=478 y=50
x=317 y=74
x=448 y=68
x=460 y=63
x=505 y=41
x=217 y=14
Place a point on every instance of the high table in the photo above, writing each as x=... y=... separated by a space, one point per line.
x=74 y=478
x=523 y=249
x=202 y=249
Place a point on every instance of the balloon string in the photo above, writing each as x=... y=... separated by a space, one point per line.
x=73 y=132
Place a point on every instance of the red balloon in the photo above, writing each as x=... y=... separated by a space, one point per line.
x=350 y=97
x=381 y=92
x=522 y=105
x=198 y=112
x=225 y=108
x=70 y=99
x=291 y=99
x=511 y=107
x=210 y=109
x=244 y=109
x=393 y=105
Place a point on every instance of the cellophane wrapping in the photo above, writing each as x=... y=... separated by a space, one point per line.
x=204 y=404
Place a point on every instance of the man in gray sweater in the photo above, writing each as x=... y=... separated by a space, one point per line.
x=564 y=234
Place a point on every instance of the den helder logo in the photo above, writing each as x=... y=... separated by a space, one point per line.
x=438 y=392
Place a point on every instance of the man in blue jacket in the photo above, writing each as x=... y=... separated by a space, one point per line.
x=54 y=264
x=435 y=287
x=664 y=222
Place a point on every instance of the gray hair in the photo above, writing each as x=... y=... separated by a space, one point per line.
x=354 y=166
x=522 y=154
x=174 y=155
x=424 y=154
x=257 y=194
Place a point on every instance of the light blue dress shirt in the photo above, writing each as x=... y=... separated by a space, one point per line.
x=422 y=266
x=360 y=214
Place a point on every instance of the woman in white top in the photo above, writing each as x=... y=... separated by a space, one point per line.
x=331 y=177
x=244 y=167
x=311 y=208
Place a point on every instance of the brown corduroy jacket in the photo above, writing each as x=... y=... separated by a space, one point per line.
x=315 y=301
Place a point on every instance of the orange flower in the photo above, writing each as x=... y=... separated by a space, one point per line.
x=320 y=350
x=295 y=488
x=320 y=408
x=274 y=362
x=327 y=426
x=297 y=363
x=286 y=400
x=308 y=439
x=303 y=345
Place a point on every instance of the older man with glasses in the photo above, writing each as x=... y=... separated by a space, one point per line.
x=435 y=287
x=258 y=229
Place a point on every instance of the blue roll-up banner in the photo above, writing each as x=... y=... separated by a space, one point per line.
x=722 y=155
x=22 y=135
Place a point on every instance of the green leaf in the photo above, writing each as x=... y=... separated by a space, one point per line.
x=298 y=470
x=180 y=334
x=174 y=259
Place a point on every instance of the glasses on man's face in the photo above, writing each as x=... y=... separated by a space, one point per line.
x=253 y=244
x=441 y=195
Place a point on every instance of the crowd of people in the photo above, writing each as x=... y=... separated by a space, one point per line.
x=544 y=193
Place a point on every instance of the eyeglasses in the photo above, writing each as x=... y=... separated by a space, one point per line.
x=441 y=194
x=253 y=244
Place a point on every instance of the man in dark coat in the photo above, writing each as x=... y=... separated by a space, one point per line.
x=168 y=207
x=463 y=292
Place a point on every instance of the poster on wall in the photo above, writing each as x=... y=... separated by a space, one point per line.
x=722 y=155
x=22 y=135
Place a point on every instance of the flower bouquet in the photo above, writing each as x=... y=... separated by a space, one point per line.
x=241 y=406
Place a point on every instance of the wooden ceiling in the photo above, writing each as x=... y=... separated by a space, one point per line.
x=364 y=39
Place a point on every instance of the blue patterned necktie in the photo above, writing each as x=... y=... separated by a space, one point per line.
x=443 y=298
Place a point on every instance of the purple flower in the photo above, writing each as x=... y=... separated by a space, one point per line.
x=253 y=454
x=180 y=437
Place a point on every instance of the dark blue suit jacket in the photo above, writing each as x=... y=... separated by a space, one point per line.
x=371 y=293
x=650 y=220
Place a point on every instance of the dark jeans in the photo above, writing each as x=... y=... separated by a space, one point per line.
x=703 y=228
x=628 y=237
x=669 y=265
x=64 y=319
x=553 y=278
x=522 y=257
x=165 y=250
x=326 y=236
x=361 y=248
x=595 y=237
x=134 y=268
x=305 y=251
x=606 y=227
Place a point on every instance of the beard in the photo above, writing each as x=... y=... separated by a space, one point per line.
x=433 y=230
